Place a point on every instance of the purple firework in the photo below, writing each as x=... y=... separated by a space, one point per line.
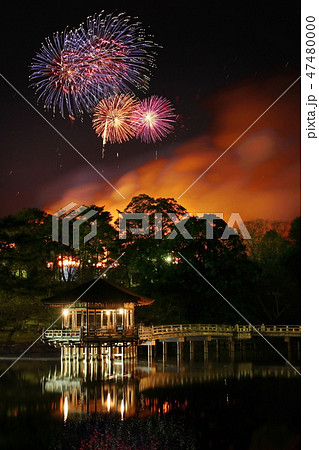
x=154 y=119
x=56 y=77
x=117 y=52
x=76 y=69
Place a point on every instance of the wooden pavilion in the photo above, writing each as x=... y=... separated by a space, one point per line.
x=94 y=315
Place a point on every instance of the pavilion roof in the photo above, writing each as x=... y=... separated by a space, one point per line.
x=97 y=291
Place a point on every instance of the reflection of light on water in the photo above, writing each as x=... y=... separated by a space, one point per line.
x=122 y=409
x=65 y=408
x=166 y=407
x=122 y=389
x=108 y=402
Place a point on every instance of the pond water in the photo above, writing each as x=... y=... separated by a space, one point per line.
x=242 y=401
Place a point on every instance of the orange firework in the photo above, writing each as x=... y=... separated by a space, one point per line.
x=112 y=118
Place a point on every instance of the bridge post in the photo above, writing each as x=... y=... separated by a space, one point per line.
x=191 y=350
x=149 y=352
x=232 y=348
x=179 y=349
x=217 y=346
x=164 y=346
x=205 y=349
x=164 y=349
x=288 y=340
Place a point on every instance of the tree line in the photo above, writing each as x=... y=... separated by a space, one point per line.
x=260 y=276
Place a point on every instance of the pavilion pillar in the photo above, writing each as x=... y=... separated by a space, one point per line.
x=62 y=357
x=150 y=354
x=111 y=349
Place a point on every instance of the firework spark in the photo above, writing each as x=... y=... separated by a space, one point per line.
x=74 y=70
x=154 y=119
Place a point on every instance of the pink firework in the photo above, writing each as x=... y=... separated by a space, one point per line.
x=154 y=119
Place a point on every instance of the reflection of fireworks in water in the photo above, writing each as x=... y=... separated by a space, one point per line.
x=154 y=119
x=112 y=118
x=76 y=69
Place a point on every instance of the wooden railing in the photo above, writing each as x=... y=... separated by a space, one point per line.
x=147 y=333
x=167 y=331
x=82 y=333
x=71 y=335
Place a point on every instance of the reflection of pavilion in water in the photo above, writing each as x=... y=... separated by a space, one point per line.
x=113 y=383
x=104 y=384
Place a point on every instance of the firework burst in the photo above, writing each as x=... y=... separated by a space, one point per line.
x=154 y=119
x=118 y=54
x=113 y=118
x=56 y=77
x=75 y=69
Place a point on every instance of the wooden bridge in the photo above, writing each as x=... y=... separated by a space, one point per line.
x=216 y=331
x=150 y=335
x=228 y=334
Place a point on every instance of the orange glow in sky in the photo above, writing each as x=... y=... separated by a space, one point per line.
x=259 y=177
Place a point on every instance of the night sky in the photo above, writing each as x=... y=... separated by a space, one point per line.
x=221 y=65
